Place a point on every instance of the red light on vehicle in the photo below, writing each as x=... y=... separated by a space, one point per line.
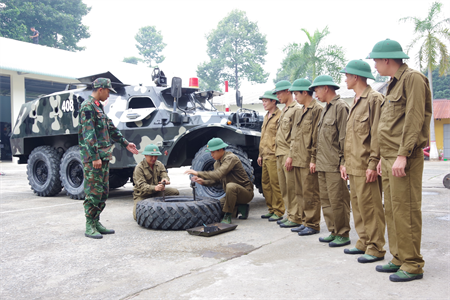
x=193 y=82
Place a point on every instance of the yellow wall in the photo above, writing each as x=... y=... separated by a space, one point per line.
x=439 y=131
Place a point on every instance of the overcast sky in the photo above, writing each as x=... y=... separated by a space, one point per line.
x=355 y=25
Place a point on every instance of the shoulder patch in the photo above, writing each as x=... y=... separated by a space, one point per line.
x=88 y=114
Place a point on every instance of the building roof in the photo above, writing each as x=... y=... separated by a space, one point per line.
x=38 y=59
x=441 y=108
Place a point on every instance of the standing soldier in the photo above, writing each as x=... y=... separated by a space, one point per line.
x=96 y=134
x=267 y=159
x=402 y=133
x=303 y=156
x=283 y=144
x=334 y=195
x=362 y=155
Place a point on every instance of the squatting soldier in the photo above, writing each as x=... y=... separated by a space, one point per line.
x=403 y=131
x=283 y=143
x=362 y=154
x=303 y=156
x=96 y=135
x=267 y=159
x=229 y=171
x=150 y=177
x=334 y=195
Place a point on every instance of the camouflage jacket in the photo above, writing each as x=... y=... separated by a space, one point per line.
x=227 y=169
x=96 y=132
x=146 y=179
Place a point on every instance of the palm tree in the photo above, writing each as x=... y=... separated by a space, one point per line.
x=310 y=60
x=433 y=52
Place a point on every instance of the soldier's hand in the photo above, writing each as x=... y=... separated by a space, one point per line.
x=343 y=172
x=288 y=164
x=197 y=180
x=260 y=161
x=166 y=181
x=312 y=168
x=97 y=164
x=371 y=175
x=132 y=148
x=160 y=188
x=398 y=168
x=379 y=168
x=191 y=172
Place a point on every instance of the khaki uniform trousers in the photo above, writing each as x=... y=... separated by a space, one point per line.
x=287 y=187
x=335 y=200
x=271 y=187
x=368 y=215
x=308 y=197
x=235 y=194
x=167 y=192
x=402 y=203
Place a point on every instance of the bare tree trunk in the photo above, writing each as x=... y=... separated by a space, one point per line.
x=434 y=155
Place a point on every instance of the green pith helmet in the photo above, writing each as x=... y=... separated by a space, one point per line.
x=152 y=150
x=281 y=86
x=269 y=95
x=387 y=49
x=215 y=144
x=300 y=85
x=358 y=67
x=323 y=80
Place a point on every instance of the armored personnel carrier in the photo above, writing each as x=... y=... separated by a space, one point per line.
x=180 y=120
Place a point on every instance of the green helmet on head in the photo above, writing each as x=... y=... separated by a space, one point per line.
x=323 y=80
x=301 y=84
x=269 y=95
x=215 y=144
x=281 y=86
x=387 y=49
x=358 y=67
x=151 y=150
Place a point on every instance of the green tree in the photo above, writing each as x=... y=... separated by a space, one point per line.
x=430 y=36
x=150 y=45
x=309 y=60
x=58 y=22
x=132 y=60
x=236 y=50
x=441 y=84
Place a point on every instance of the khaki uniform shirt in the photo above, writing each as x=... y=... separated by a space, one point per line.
x=146 y=179
x=227 y=169
x=284 y=127
x=405 y=114
x=331 y=136
x=268 y=134
x=304 y=135
x=361 y=150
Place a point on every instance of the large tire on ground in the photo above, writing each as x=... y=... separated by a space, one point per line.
x=204 y=162
x=177 y=212
x=43 y=171
x=117 y=179
x=71 y=171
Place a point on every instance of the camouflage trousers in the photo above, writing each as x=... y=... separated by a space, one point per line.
x=96 y=188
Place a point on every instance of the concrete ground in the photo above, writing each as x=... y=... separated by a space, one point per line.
x=44 y=254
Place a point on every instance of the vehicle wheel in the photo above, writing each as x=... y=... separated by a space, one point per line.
x=446 y=181
x=204 y=162
x=43 y=171
x=116 y=179
x=177 y=212
x=72 y=175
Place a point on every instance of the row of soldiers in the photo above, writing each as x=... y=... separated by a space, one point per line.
x=308 y=153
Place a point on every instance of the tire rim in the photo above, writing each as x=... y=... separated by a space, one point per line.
x=75 y=174
x=41 y=171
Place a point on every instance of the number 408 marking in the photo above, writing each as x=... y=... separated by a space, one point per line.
x=67 y=105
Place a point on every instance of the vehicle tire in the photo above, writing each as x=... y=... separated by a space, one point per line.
x=72 y=175
x=177 y=212
x=116 y=179
x=43 y=171
x=204 y=162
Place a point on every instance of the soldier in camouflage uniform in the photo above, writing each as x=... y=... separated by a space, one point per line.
x=96 y=135
x=150 y=178
x=229 y=171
